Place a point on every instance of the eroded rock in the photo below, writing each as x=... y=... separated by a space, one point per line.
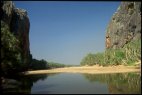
x=125 y=25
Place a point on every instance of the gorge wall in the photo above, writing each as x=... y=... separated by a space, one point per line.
x=125 y=25
x=18 y=22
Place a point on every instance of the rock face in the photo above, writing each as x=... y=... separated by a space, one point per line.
x=125 y=25
x=18 y=22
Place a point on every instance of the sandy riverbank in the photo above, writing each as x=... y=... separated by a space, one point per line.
x=89 y=69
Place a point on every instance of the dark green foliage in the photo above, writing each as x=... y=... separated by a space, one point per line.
x=10 y=51
x=43 y=64
x=38 y=64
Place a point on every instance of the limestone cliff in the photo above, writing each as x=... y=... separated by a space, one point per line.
x=18 y=22
x=125 y=25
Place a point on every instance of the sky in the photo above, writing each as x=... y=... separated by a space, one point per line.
x=66 y=31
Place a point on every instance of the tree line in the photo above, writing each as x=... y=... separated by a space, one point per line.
x=43 y=64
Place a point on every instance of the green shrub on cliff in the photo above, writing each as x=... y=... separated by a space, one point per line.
x=10 y=52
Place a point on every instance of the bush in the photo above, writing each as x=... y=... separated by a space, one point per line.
x=127 y=55
x=88 y=60
x=99 y=58
x=133 y=51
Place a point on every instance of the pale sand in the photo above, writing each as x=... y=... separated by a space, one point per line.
x=89 y=69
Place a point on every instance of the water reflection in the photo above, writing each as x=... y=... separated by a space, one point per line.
x=120 y=83
x=23 y=84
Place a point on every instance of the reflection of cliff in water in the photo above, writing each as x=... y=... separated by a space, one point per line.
x=118 y=83
x=22 y=84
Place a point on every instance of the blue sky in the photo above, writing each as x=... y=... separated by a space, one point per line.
x=66 y=31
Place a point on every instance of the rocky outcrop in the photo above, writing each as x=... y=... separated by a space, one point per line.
x=125 y=25
x=20 y=26
x=18 y=22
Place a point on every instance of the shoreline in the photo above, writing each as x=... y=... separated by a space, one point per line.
x=88 y=69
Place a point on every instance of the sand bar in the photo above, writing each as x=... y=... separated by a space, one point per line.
x=88 y=69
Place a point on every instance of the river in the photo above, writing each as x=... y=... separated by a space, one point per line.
x=75 y=83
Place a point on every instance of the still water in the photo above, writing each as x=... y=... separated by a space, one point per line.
x=75 y=83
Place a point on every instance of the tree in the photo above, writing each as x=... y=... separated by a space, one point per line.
x=88 y=60
x=38 y=64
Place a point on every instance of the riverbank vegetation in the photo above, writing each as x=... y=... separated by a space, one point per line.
x=43 y=64
x=127 y=55
x=118 y=81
